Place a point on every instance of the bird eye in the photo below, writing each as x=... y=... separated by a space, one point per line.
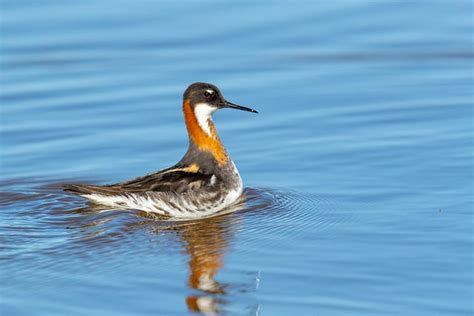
x=209 y=93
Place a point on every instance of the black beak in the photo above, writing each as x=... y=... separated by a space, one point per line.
x=231 y=105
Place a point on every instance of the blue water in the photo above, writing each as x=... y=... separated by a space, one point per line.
x=358 y=168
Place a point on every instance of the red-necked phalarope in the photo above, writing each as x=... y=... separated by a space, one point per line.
x=203 y=182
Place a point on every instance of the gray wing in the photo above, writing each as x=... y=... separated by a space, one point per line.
x=176 y=180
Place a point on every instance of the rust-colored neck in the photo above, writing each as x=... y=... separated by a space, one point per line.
x=202 y=140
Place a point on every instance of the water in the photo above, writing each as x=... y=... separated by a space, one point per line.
x=358 y=169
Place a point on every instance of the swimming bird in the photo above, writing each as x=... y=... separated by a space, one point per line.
x=203 y=182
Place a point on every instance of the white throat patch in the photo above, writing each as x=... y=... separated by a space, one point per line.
x=203 y=112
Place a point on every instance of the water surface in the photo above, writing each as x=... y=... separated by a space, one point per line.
x=358 y=168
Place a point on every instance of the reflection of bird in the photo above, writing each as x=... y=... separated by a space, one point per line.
x=206 y=243
x=203 y=182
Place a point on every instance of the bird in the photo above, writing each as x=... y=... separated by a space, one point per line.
x=204 y=182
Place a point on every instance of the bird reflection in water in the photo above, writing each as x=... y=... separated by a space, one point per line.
x=206 y=244
x=205 y=241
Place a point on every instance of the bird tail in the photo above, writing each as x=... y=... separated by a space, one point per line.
x=86 y=189
x=77 y=188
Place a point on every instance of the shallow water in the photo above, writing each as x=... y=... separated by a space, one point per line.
x=358 y=168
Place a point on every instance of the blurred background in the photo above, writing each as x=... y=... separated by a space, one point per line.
x=359 y=166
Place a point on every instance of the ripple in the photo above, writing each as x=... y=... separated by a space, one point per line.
x=54 y=222
x=294 y=212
